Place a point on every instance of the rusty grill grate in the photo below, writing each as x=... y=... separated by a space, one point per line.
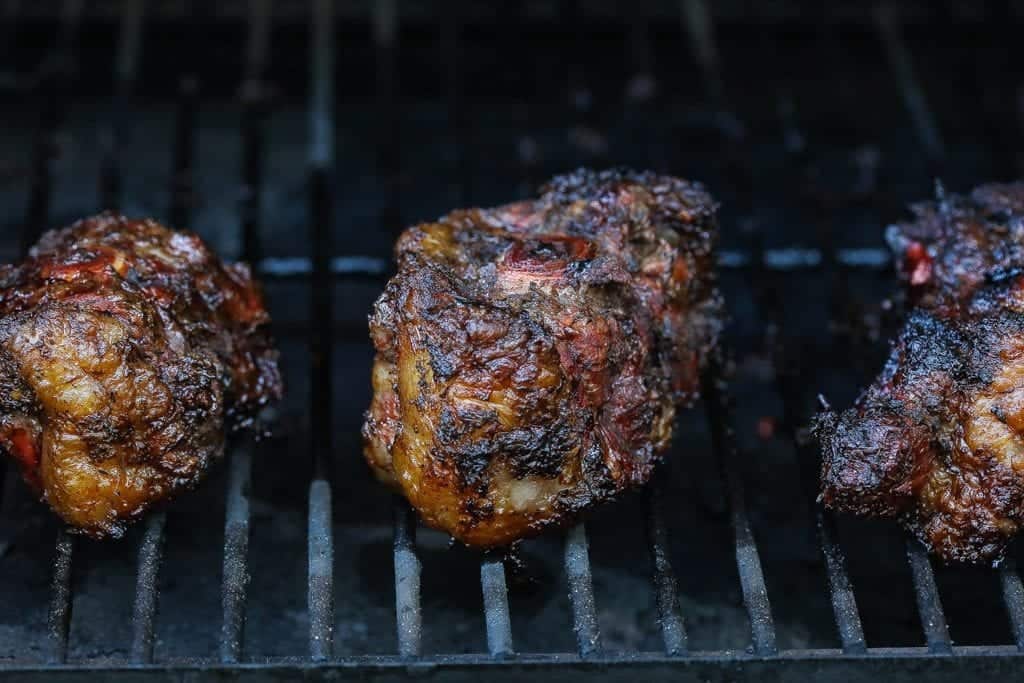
x=854 y=658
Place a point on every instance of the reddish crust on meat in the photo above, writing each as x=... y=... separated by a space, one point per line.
x=124 y=348
x=530 y=358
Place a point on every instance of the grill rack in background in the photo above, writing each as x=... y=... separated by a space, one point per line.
x=854 y=659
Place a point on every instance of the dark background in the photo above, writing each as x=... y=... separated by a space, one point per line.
x=814 y=127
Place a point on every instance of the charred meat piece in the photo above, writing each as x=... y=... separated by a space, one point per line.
x=938 y=439
x=124 y=349
x=531 y=357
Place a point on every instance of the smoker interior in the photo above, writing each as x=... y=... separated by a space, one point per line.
x=303 y=138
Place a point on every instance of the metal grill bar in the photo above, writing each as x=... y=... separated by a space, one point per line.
x=496 y=611
x=748 y=562
x=407 y=582
x=581 y=592
x=147 y=592
x=58 y=620
x=844 y=601
x=129 y=42
x=1013 y=596
x=234 y=591
x=699 y=25
x=910 y=87
x=385 y=40
x=236 y=556
x=184 y=139
x=321 y=542
x=53 y=75
x=929 y=604
x=321 y=217
x=253 y=116
x=666 y=593
x=451 y=25
x=321 y=572
x=258 y=43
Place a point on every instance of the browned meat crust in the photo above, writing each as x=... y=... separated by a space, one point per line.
x=124 y=347
x=530 y=358
x=938 y=439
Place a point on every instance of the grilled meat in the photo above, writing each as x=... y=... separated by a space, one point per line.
x=124 y=349
x=530 y=358
x=938 y=439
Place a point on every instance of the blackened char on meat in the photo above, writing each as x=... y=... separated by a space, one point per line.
x=938 y=439
x=124 y=348
x=531 y=357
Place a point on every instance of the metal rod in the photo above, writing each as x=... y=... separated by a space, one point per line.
x=132 y=12
x=58 y=620
x=234 y=590
x=666 y=592
x=53 y=74
x=496 y=611
x=1013 y=596
x=385 y=38
x=147 y=590
x=321 y=152
x=182 y=161
x=321 y=159
x=929 y=604
x=129 y=42
x=910 y=86
x=253 y=133
x=451 y=24
x=581 y=592
x=258 y=43
x=698 y=22
x=748 y=561
x=320 y=231
x=408 y=613
x=321 y=572
x=790 y=259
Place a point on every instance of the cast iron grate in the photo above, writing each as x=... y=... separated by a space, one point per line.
x=763 y=655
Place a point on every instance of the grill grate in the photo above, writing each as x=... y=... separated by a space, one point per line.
x=321 y=270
